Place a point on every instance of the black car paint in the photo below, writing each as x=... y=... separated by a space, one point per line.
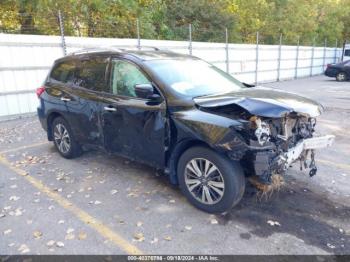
x=266 y=102
x=333 y=69
x=155 y=134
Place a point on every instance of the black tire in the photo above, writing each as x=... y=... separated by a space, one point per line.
x=74 y=148
x=341 y=76
x=232 y=174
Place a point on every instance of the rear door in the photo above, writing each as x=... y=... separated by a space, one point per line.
x=133 y=126
x=62 y=96
x=89 y=83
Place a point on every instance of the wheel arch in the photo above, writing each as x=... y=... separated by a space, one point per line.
x=177 y=151
x=51 y=117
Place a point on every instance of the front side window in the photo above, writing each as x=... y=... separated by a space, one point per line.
x=125 y=76
x=347 y=52
x=63 y=72
x=91 y=74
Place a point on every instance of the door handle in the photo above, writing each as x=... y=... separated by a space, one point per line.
x=65 y=99
x=110 y=109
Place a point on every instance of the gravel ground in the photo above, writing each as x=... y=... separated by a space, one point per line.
x=100 y=204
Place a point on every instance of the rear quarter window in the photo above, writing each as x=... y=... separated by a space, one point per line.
x=63 y=72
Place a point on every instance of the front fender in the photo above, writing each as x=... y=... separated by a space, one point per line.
x=218 y=132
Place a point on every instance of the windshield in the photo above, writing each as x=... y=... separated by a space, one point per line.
x=194 y=77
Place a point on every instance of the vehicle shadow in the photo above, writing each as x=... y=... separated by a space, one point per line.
x=334 y=80
x=307 y=215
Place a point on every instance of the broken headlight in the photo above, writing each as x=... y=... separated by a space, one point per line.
x=262 y=130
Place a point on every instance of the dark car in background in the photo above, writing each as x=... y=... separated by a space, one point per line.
x=205 y=129
x=340 y=71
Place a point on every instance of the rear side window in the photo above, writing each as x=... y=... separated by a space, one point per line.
x=63 y=72
x=347 y=52
x=91 y=74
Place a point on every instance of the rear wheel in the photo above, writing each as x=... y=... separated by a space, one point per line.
x=63 y=138
x=210 y=181
x=341 y=76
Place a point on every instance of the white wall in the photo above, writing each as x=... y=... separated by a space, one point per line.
x=26 y=59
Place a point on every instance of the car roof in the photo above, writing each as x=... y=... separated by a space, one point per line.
x=143 y=55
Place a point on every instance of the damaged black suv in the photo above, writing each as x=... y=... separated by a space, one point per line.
x=206 y=130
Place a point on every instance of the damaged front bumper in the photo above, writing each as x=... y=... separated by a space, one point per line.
x=268 y=163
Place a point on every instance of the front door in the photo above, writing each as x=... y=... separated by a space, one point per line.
x=133 y=126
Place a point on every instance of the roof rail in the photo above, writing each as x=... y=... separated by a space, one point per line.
x=153 y=47
x=95 y=49
x=136 y=47
x=111 y=48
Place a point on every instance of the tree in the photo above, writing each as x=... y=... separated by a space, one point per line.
x=9 y=21
x=208 y=18
x=345 y=18
x=250 y=17
x=169 y=19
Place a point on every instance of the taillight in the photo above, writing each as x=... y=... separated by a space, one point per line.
x=40 y=90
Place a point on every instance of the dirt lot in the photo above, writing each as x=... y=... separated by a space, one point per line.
x=100 y=204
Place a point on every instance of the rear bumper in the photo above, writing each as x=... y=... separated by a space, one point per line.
x=42 y=118
x=330 y=72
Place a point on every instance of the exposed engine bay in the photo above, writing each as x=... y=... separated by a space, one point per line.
x=276 y=142
x=285 y=134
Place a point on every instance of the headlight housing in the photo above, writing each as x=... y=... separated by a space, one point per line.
x=262 y=130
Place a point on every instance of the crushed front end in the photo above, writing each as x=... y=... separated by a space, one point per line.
x=276 y=143
x=277 y=129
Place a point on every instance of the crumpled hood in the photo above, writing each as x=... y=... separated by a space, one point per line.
x=265 y=102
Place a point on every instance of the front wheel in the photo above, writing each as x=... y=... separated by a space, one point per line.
x=341 y=76
x=210 y=181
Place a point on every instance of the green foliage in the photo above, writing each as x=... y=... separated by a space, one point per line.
x=307 y=20
x=208 y=18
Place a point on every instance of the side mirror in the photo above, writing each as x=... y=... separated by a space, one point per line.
x=247 y=85
x=144 y=90
x=155 y=99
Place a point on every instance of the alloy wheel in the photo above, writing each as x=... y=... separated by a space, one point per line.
x=341 y=77
x=204 y=181
x=62 y=138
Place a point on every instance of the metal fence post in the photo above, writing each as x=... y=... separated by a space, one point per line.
x=297 y=60
x=257 y=58
x=138 y=34
x=63 y=41
x=226 y=49
x=279 y=58
x=312 y=57
x=190 y=38
x=335 y=51
x=324 y=53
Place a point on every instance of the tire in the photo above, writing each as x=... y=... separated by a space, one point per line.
x=228 y=172
x=340 y=77
x=64 y=140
